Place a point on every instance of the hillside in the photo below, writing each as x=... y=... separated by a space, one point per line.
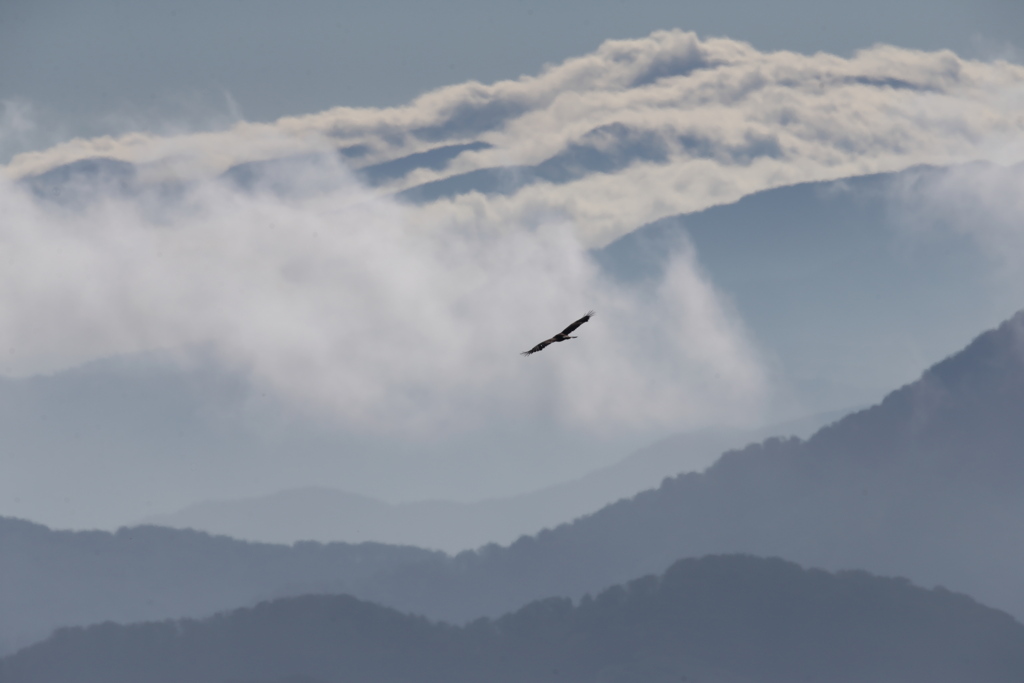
x=927 y=484
x=724 y=618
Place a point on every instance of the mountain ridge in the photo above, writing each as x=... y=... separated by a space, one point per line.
x=721 y=618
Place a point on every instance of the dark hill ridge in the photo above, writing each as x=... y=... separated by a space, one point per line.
x=719 y=618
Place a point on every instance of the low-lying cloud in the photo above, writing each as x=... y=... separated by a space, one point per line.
x=357 y=307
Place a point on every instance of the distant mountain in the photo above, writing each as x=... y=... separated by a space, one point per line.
x=100 y=434
x=55 y=578
x=724 y=618
x=325 y=515
x=120 y=439
x=928 y=484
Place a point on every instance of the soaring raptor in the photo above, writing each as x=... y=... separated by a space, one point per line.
x=561 y=336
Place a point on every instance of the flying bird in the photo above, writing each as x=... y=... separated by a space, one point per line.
x=561 y=336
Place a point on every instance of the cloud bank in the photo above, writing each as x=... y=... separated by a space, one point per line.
x=359 y=308
x=635 y=131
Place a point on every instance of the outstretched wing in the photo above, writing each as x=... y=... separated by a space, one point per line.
x=538 y=347
x=572 y=328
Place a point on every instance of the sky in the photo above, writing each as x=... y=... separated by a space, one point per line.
x=109 y=66
x=387 y=305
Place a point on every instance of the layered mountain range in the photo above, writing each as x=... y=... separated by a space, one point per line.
x=324 y=514
x=925 y=484
x=340 y=298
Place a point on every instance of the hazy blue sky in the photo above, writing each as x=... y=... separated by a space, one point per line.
x=110 y=66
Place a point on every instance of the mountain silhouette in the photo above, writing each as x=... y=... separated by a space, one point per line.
x=719 y=618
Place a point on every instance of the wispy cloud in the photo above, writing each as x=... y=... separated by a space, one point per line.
x=17 y=125
x=981 y=202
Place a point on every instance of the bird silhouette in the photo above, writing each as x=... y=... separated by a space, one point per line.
x=561 y=336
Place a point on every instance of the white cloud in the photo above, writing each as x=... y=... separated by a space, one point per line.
x=359 y=308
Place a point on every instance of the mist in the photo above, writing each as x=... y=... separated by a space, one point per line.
x=351 y=312
x=366 y=277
